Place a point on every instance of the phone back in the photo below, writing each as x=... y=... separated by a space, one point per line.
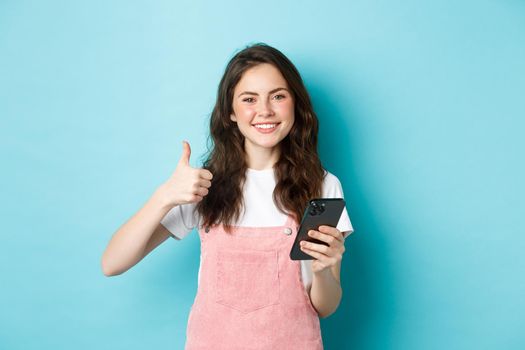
x=320 y=211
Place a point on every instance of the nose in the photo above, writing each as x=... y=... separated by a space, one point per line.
x=265 y=109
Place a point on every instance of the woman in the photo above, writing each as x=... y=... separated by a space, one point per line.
x=246 y=201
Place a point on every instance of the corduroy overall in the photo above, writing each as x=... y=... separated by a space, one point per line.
x=250 y=293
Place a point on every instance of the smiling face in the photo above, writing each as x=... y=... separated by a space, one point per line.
x=263 y=108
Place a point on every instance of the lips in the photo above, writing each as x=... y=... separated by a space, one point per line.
x=265 y=128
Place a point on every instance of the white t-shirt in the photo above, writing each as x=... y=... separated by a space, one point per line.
x=260 y=210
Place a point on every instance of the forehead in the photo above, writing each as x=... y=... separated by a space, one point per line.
x=262 y=77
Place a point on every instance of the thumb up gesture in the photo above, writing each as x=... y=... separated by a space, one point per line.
x=186 y=184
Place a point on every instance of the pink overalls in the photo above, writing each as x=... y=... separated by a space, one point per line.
x=250 y=293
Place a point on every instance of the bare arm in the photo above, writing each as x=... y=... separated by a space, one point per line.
x=136 y=238
x=143 y=232
x=326 y=291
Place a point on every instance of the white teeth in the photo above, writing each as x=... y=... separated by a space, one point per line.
x=265 y=126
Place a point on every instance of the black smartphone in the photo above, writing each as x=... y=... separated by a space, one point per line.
x=319 y=211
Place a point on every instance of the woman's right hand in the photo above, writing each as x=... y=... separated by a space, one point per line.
x=186 y=184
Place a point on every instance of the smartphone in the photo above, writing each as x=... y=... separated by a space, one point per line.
x=318 y=212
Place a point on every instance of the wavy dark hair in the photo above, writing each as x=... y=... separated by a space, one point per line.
x=298 y=172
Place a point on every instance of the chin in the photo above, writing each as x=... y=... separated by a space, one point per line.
x=271 y=144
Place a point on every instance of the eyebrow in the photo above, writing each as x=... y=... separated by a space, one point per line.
x=254 y=93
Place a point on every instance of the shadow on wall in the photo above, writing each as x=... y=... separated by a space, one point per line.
x=365 y=310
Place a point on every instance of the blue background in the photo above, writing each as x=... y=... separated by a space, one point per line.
x=422 y=118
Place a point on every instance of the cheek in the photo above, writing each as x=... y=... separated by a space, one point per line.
x=286 y=108
x=246 y=112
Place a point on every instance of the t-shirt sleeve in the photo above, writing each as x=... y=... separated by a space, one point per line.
x=332 y=189
x=180 y=220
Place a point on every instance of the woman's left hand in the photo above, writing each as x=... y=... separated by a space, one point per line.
x=325 y=256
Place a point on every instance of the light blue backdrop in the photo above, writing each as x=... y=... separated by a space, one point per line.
x=422 y=118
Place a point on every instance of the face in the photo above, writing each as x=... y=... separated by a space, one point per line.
x=263 y=107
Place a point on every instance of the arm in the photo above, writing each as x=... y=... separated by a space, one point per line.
x=143 y=232
x=136 y=238
x=326 y=291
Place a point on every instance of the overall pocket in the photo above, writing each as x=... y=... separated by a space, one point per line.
x=247 y=280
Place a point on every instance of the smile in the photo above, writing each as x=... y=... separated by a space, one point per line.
x=266 y=128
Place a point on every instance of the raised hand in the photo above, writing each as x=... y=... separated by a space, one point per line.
x=186 y=184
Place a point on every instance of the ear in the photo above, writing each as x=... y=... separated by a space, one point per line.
x=233 y=117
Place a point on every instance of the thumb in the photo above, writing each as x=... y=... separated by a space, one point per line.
x=186 y=152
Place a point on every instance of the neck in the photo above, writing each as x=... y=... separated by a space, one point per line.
x=260 y=158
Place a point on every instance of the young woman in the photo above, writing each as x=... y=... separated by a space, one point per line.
x=246 y=202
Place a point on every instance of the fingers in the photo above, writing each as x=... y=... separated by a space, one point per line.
x=190 y=184
x=322 y=237
x=193 y=198
x=205 y=174
x=204 y=183
x=201 y=188
x=332 y=231
x=322 y=252
x=314 y=254
x=201 y=191
x=201 y=185
x=321 y=262
x=331 y=236
x=186 y=152
x=320 y=248
x=185 y=160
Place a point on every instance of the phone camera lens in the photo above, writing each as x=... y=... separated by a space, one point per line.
x=316 y=209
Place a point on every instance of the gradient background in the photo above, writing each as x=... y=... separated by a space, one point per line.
x=422 y=108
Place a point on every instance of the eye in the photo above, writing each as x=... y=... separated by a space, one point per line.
x=279 y=97
x=248 y=99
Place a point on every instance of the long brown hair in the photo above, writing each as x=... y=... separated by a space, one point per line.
x=298 y=172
